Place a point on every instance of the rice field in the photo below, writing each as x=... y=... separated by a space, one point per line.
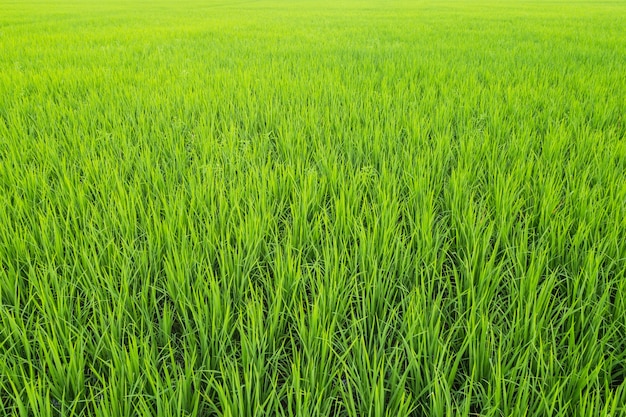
x=312 y=208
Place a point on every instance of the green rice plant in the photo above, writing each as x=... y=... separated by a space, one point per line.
x=312 y=208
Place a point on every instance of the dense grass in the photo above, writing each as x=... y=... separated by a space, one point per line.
x=372 y=208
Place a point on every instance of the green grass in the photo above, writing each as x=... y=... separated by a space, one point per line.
x=334 y=208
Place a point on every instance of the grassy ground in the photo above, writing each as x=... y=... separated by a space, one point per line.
x=338 y=208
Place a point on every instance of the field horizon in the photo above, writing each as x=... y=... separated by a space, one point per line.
x=333 y=208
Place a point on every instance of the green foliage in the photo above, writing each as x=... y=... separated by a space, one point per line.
x=378 y=208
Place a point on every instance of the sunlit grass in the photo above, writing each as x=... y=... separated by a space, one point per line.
x=312 y=208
